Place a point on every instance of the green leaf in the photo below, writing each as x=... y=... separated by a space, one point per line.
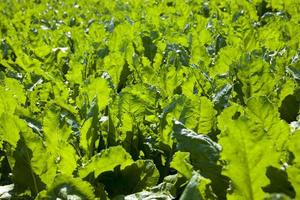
x=146 y=173
x=164 y=191
x=54 y=130
x=145 y=195
x=196 y=113
x=106 y=160
x=10 y=127
x=75 y=72
x=196 y=188
x=294 y=169
x=204 y=152
x=136 y=177
x=85 y=134
x=66 y=187
x=131 y=106
x=98 y=88
x=89 y=130
x=113 y=64
x=78 y=78
x=207 y=115
x=11 y=95
x=23 y=171
x=53 y=153
x=251 y=143
x=181 y=162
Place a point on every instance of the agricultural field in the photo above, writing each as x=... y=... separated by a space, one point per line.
x=150 y=99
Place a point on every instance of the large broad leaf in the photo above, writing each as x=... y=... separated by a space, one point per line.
x=198 y=187
x=107 y=160
x=130 y=107
x=196 y=113
x=53 y=153
x=24 y=176
x=251 y=142
x=146 y=173
x=11 y=96
x=204 y=152
x=66 y=187
x=134 y=178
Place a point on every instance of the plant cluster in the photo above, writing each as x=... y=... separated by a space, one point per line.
x=150 y=99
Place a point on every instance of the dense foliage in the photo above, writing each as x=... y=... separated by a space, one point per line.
x=150 y=99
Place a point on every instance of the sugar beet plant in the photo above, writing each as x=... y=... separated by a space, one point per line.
x=154 y=99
